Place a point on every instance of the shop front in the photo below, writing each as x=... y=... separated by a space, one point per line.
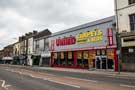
x=90 y=46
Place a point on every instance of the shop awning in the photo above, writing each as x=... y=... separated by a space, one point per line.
x=7 y=58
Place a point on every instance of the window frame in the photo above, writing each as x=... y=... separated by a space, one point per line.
x=131 y=2
x=132 y=22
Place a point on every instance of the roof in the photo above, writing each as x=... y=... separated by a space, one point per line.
x=9 y=46
x=43 y=33
x=97 y=22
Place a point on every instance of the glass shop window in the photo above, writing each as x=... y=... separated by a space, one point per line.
x=62 y=55
x=97 y=52
x=86 y=54
x=70 y=55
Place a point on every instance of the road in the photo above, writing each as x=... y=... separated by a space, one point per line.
x=20 y=79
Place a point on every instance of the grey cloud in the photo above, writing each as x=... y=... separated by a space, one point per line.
x=20 y=16
x=50 y=11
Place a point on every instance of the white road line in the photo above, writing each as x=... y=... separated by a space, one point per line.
x=3 y=84
x=112 y=76
x=124 y=85
x=6 y=86
x=76 y=86
x=47 y=74
x=35 y=77
x=82 y=79
x=20 y=72
x=46 y=78
x=31 y=75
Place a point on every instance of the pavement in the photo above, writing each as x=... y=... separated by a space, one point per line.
x=99 y=72
x=23 y=79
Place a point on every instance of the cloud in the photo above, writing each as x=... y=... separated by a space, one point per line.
x=21 y=16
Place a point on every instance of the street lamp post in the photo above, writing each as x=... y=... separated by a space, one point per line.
x=118 y=38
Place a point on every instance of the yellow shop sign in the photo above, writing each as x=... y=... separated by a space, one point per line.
x=90 y=36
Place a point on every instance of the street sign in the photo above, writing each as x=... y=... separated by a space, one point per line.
x=130 y=50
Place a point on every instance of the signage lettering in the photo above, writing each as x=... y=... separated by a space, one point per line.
x=90 y=36
x=65 y=41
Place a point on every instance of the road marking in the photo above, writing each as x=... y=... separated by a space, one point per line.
x=124 y=85
x=35 y=76
x=20 y=72
x=81 y=79
x=46 y=78
x=3 y=84
x=76 y=86
x=47 y=74
x=7 y=86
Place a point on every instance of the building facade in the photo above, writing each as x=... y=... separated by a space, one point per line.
x=30 y=50
x=30 y=46
x=41 y=54
x=16 y=53
x=125 y=14
x=23 y=50
x=16 y=49
x=8 y=54
x=92 y=45
x=1 y=56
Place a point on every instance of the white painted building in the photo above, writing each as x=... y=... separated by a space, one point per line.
x=41 y=48
x=125 y=13
x=16 y=49
x=30 y=50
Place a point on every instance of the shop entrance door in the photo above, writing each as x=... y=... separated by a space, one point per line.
x=104 y=62
x=101 y=62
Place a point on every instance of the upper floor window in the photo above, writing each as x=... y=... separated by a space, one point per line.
x=132 y=22
x=131 y=1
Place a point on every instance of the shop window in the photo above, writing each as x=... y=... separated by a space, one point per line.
x=132 y=22
x=79 y=58
x=92 y=59
x=70 y=60
x=97 y=52
x=62 y=59
x=86 y=54
x=79 y=55
x=62 y=55
x=131 y=1
x=70 y=55
x=110 y=58
x=55 y=58
x=128 y=57
x=85 y=58
x=103 y=52
x=110 y=53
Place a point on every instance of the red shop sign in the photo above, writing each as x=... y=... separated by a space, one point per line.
x=65 y=41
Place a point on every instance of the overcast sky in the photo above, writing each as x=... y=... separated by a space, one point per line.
x=20 y=16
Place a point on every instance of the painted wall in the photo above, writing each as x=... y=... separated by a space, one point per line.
x=30 y=45
x=43 y=46
x=122 y=3
x=124 y=10
x=16 y=49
